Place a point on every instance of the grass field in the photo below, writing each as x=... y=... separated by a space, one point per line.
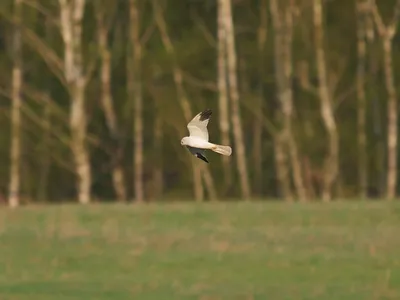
x=209 y=251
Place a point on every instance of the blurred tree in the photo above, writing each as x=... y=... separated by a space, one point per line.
x=283 y=36
x=199 y=170
x=259 y=105
x=234 y=97
x=105 y=12
x=361 y=13
x=223 y=101
x=332 y=159
x=291 y=84
x=71 y=15
x=135 y=92
x=15 y=152
x=387 y=34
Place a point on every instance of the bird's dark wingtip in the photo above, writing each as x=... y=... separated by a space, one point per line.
x=205 y=115
x=202 y=157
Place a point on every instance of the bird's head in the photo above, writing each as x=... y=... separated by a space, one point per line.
x=184 y=141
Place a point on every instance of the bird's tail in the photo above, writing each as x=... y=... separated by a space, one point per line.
x=224 y=150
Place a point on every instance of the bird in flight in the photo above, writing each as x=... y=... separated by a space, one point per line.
x=197 y=141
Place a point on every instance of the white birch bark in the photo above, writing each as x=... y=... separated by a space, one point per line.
x=332 y=159
x=223 y=117
x=235 y=103
x=71 y=14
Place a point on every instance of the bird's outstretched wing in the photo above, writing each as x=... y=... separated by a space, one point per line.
x=198 y=125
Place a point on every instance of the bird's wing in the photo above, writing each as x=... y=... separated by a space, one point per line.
x=199 y=153
x=198 y=125
x=194 y=150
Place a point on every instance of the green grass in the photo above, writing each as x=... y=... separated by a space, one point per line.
x=210 y=251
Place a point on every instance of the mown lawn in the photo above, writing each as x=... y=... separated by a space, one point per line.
x=209 y=251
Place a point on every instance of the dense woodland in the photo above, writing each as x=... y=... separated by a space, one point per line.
x=95 y=96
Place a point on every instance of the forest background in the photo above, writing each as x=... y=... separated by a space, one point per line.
x=95 y=96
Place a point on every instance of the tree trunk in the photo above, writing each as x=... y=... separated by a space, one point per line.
x=45 y=155
x=387 y=34
x=71 y=28
x=15 y=151
x=199 y=171
x=78 y=125
x=392 y=119
x=209 y=183
x=258 y=127
x=223 y=94
x=42 y=190
x=235 y=104
x=332 y=159
x=136 y=94
x=107 y=100
x=282 y=169
x=283 y=34
x=362 y=105
x=378 y=176
x=158 y=181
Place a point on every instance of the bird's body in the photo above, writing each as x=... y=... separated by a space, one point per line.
x=197 y=142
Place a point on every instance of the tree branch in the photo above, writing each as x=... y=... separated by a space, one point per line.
x=203 y=28
x=44 y=11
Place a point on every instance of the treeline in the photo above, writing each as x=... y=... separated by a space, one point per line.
x=96 y=94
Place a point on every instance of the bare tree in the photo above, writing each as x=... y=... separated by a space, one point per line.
x=135 y=87
x=103 y=25
x=332 y=160
x=387 y=33
x=223 y=118
x=15 y=152
x=234 y=96
x=361 y=11
x=199 y=171
x=283 y=35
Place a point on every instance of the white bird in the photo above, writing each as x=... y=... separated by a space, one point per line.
x=197 y=141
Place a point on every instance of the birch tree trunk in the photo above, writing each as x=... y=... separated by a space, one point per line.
x=283 y=35
x=107 y=100
x=15 y=151
x=387 y=34
x=71 y=29
x=361 y=10
x=223 y=93
x=199 y=171
x=235 y=104
x=332 y=159
x=136 y=94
